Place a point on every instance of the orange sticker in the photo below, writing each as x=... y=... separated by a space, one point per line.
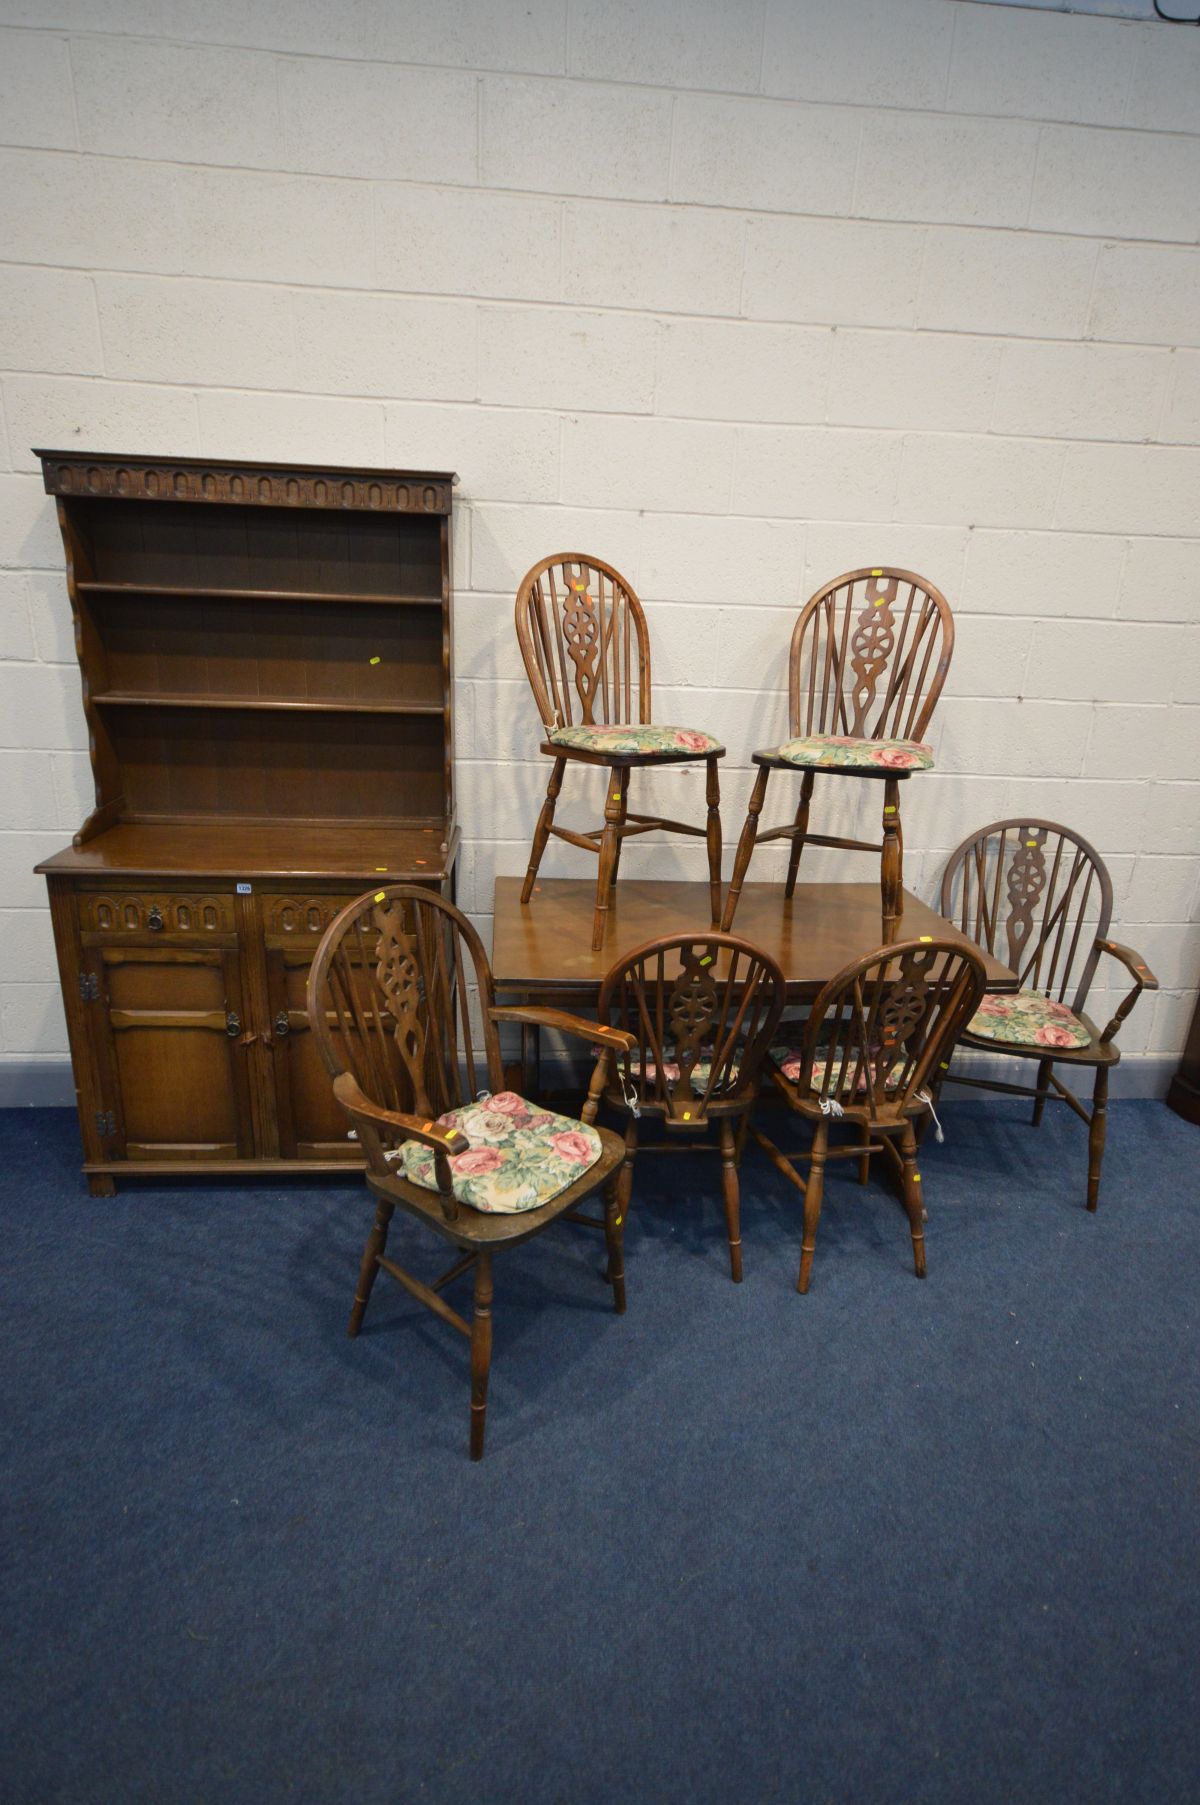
x=876 y=573
x=379 y=896
x=687 y=1115
x=925 y=937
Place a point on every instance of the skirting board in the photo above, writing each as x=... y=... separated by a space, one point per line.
x=48 y=1083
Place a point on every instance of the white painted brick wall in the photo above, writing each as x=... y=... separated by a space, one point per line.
x=736 y=297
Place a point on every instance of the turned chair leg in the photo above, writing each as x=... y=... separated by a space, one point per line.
x=376 y=1242
x=541 y=832
x=864 y=1162
x=732 y=1196
x=911 y=1180
x=614 y=1235
x=1045 y=1067
x=799 y=833
x=616 y=1213
x=812 y=1203
x=891 y=864
x=745 y=846
x=614 y=820
x=1096 y=1135
x=739 y=1144
x=481 y=1350
x=713 y=836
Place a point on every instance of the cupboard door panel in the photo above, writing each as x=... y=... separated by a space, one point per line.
x=174 y=1042
x=312 y=1123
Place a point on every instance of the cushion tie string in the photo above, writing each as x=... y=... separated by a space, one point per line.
x=831 y=1107
x=927 y=1097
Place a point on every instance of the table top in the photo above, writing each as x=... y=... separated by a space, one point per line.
x=545 y=947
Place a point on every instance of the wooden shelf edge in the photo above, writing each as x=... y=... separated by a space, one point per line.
x=217 y=593
x=128 y=698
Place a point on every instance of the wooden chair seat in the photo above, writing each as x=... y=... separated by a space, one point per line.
x=698 y=1077
x=586 y=648
x=842 y=752
x=869 y=657
x=788 y=1063
x=1040 y=896
x=700 y=1011
x=473 y=1228
x=874 y=1039
x=520 y=1157
x=402 y=1007
x=646 y=742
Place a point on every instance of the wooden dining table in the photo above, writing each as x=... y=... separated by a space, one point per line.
x=542 y=952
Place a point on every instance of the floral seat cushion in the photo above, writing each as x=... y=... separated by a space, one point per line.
x=634 y=737
x=790 y=1062
x=840 y=751
x=519 y=1158
x=670 y=1071
x=1028 y=1019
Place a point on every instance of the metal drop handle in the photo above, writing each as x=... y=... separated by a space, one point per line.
x=154 y=920
x=233 y=1024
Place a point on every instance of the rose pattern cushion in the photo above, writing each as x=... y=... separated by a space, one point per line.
x=1028 y=1019
x=790 y=1061
x=625 y=737
x=519 y=1158
x=836 y=750
x=699 y=1074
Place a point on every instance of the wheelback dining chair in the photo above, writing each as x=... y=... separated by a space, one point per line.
x=586 y=647
x=868 y=659
x=701 y=1010
x=869 y=1054
x=389 y=1003
x=1037 y=896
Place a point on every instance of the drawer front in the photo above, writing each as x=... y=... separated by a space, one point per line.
x=188 y=915
x=299 y=915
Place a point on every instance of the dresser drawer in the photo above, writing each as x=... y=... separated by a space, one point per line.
x=300 y=916
x=150 y=914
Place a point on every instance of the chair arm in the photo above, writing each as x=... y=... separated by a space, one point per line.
x=1133 y=962
x=357 y=1104
x=1143 y=979
x=595 y=1033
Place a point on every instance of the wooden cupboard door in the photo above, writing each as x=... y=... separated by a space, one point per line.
x=173 y=1044
x=312 y=1123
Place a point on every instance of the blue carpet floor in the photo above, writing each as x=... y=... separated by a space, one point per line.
x=891 y=1541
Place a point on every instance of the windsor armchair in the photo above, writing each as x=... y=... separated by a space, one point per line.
x=389 y=1002
x=586 y=648
x=877 y=1035
x=868 y=659
x=1040 y=897
x=701 y=1010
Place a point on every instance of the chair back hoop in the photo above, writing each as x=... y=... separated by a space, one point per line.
x=584 y=641
x=869 y=656
x=390 y=998
x=1037 y=896
x=881 y=1029
x=703 y=1008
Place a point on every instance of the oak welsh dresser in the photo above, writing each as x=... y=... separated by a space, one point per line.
x=265 y=653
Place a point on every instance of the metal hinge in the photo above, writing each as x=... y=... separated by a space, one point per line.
x=106 y=1121
x=89 y=986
